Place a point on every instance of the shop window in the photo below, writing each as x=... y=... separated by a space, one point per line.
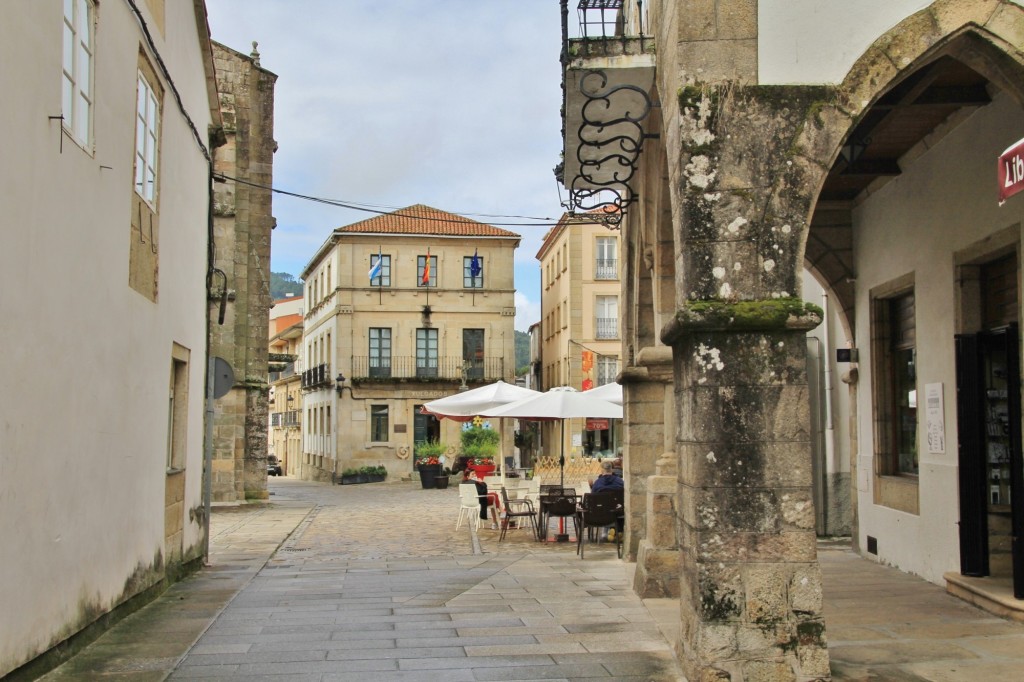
x=894 y=370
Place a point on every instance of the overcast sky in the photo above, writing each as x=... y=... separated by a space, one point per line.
x=449 y=103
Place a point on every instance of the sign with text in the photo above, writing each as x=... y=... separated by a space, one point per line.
x=1011 y=171
x=935 y=418
x=597 y=424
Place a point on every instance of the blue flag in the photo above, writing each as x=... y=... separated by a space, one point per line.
x=377 y=267
x=475 y=266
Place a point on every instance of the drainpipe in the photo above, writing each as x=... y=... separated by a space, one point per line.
x=830 y=433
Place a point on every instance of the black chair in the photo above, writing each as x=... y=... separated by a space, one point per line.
x=560 y=506
x=599 y=510
x=549 y=493
x=516 y=509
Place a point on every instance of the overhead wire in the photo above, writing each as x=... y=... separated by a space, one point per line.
x=378 y=209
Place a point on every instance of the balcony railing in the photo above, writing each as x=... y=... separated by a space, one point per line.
x=607 y=328
x=441 y=369
x=317 y=377
x=285 y=372
x=289 y=418
x=606 y=268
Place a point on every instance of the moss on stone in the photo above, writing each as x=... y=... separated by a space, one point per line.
x=777 y=313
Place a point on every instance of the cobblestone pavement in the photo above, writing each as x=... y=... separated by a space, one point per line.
x=373 y=582
x=376 y=584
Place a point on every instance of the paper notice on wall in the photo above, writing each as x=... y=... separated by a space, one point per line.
x=935 y=418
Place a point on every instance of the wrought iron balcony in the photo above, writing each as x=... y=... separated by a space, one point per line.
x=607 y=328
x=426 y=369
x=317 y=377
x=606 y=268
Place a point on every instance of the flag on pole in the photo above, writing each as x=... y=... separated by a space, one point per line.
x=475 y=267
x=377 y=267
x=426 y=270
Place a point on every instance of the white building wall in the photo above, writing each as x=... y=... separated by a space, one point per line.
x=84 y=399
x=830 y=398
x=944 y=201
x=817 y=41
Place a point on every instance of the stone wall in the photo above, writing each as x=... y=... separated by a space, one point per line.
x=242 y=228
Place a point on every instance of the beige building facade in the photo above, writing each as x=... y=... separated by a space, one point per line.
x=285 y=398
x=377 y=349
x=580 y=334
x=105 y=186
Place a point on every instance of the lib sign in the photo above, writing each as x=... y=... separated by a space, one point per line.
x=1011 y=171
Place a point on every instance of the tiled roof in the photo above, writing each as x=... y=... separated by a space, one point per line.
x=420 y=219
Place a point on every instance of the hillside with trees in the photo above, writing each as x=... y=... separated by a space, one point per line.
x=283 y=285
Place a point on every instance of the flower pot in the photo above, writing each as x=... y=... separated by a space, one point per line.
x=483 y=469
x=349 y=480
x=429 y=474
x=441 y=481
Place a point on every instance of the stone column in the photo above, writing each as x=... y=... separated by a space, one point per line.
x=651 y=528
x=750 y=586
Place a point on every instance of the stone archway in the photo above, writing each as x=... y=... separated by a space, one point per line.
x=746 y=178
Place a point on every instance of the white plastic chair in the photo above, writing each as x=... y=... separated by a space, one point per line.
x=469 y=505
x=533 y=491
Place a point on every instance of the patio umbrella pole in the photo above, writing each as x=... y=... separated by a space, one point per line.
x=562 y=535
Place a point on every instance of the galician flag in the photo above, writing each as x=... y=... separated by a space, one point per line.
x=475 y=267
x=377 y=267
x=426 y=270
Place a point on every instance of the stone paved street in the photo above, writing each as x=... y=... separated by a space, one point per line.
x=372 y=582
x=376 y=584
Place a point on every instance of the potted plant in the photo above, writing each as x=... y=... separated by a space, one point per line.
x=350 y=476
x=374 y=474
x=428 y=461
x=480 y=446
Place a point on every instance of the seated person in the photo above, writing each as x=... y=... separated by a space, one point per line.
x=608 y=480
x=487 y=499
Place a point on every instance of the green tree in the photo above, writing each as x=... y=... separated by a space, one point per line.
x=522 y=352
x=283 y=285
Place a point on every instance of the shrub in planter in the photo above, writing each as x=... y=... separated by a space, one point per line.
x=480 y=446
x=349 y=476
x=374 y=474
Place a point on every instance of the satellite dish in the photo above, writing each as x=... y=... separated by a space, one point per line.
x=223 y=377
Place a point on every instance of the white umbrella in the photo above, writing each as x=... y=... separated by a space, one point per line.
x=559 y=404
x=468 y=404
x=465 y=405
x=611 y=392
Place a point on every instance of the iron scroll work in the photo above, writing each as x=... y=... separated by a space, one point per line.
x=610 y=144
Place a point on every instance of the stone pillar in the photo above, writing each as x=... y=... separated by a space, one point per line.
x=750 y=586
x=651 y=528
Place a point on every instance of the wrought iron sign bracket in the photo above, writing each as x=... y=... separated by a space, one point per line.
x=611 y=138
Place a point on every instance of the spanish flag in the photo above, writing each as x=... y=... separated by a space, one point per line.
x=426 y=270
